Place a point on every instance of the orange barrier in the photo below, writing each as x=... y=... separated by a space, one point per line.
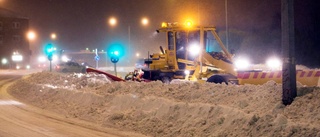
x=308 y=78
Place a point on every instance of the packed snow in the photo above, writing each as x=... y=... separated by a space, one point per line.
x=177 y=109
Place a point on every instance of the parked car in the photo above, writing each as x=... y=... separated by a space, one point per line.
x=70 y=66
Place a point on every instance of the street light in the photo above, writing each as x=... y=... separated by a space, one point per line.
x=53 y=36
x=144 y=21
x=31 y=35
x=4 y=61
x=113 y=21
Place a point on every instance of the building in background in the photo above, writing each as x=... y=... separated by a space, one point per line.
x=14 y=46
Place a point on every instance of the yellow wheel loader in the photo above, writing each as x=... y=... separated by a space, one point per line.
x=196 y=53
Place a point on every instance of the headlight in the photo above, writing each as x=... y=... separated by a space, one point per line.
x=187 y=72
x=65 y=58
x=242 y=64
x=273 y=63
x=194 y=49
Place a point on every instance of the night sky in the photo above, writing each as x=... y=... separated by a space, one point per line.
x=254 y=25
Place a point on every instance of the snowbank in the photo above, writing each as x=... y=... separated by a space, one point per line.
x=179 y=109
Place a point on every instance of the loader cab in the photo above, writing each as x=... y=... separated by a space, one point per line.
x=186 y=44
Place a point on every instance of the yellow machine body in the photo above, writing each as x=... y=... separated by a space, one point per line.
x=212 y=66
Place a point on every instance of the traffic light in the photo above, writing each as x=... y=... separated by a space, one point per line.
x=115 y=56
x=49 y=50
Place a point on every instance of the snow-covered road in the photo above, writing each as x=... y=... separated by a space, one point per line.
x=19 y=119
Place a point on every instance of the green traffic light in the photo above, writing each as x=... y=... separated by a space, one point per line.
x=49 y=49
x=116 y=53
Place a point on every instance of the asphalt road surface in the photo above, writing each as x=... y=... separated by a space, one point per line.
x=22 y=120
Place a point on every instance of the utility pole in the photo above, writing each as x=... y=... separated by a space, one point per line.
x=227 y=31
x=289 y=85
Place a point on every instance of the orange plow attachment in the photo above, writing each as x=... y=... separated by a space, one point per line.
x=308 y=78
x=114 y=78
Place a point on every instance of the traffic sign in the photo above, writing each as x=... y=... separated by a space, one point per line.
x=97 y=58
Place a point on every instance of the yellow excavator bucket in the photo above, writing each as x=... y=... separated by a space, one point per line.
x=307 y=77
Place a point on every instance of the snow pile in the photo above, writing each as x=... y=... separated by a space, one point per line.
x=179 y=109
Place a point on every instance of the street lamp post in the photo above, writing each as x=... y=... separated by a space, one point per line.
x=113 y=22
x=227 y=31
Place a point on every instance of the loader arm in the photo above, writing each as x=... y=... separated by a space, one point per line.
x=221 y=63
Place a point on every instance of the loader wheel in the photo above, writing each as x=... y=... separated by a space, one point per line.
x=217 y=79
x=165 y=80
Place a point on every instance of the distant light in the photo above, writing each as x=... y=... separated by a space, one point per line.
x=64 y=58
x=144 y=21
x=137 y=54
x=194 y=49
x=274 y=63
x=53 y=36
x=28 y=67
x=17 y=57
x=87 y=48
x=42 y=59
x=31 y=35
x=112 y=21
x=54 y=58
x=242 y=64
x=17 y=67
x=4 y=61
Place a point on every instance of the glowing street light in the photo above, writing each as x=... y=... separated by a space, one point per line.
x=113 y=21
x=53 y=36
x=31 y=35
x=4 y=61
x=137 y=54
x=144 y=21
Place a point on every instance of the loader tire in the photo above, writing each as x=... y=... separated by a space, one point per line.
x=217 y=79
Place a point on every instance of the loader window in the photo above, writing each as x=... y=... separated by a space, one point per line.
x=211 y=44
x=183 y=40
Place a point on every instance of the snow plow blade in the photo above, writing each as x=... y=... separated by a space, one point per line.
x=113 y=77
x=309 y=77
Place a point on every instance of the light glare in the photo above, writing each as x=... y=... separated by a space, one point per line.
x=144 y=21
x=41 y=59
x=194 y=49
x=4 y=61
x=274 y=63
x=242 y=64
x=112 y=21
